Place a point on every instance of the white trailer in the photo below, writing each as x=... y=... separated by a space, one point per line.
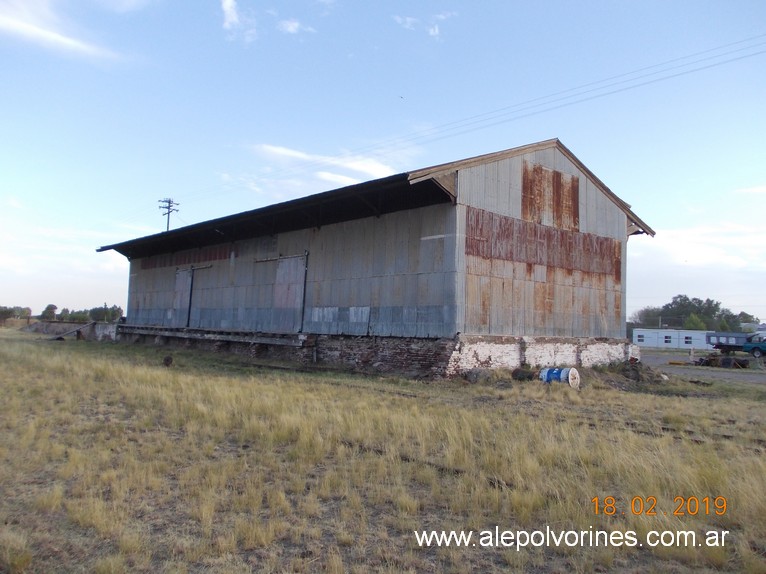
x=671 y=339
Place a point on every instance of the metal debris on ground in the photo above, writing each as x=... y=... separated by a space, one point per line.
x=725 y=362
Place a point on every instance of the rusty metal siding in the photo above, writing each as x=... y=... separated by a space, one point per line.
x=490 y=237
x=499 y=187
x=545 y=250
x=550 y=197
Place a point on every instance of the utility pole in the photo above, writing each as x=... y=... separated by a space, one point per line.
x=169 y=206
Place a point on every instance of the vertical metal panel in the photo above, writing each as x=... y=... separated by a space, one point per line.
x=288 y=293
x=491 y=187
x=564 y=165
x=518 y=305
x=378 y=248
x=382 y=265
x=516 y=169
x=544 y=156
x=181 y=298
x=495 y=186
x=499 y=315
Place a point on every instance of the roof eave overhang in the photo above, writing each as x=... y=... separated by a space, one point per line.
x=369 y=199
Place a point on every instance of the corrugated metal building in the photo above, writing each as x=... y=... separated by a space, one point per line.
x=520 y=247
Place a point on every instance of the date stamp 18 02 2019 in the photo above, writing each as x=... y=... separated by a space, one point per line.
x=647 y=506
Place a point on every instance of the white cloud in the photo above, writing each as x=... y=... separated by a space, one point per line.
x=724 y=262
x=445 y=15
x=282 y=173
x=406 y=22
x=434 y=31
x=728 y=245
x=368 y=166
x=36 y=21
x=230 y=14
x=285 y=173
x=275 y=150
x=238 y=24
x=124 y=5
x=293 y=26
x=432 y=28
x=336 y=178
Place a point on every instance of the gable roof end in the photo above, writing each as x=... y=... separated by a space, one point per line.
x=635 y=224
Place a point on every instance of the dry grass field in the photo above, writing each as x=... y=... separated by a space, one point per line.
x=111 y=462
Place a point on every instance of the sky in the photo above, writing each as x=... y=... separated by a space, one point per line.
x=108 y=106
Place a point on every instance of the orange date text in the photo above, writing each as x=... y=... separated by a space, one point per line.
x=647 y=506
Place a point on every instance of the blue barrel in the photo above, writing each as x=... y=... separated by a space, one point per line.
x=566 y=375
x=548 y=375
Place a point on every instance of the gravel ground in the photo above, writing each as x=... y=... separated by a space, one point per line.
x=659 y=359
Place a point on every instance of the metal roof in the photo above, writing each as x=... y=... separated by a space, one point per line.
x=372 y=198
x=409 y=190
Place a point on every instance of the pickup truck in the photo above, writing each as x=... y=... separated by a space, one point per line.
x=756 y=345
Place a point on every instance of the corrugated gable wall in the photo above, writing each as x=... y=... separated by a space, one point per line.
x=544 y=250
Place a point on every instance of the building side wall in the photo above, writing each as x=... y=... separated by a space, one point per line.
x=392 y=275
x=544 y=250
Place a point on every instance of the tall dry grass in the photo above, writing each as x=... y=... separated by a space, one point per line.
x=111 y=462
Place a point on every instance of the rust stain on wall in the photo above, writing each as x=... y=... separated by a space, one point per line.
x=493 y=236
x=550 y=197
x=190 y=257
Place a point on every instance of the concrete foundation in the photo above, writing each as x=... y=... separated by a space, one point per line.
x=538 y=352
x=88 y=331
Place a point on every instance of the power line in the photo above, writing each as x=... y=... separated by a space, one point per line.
x=579 y=90
x=506 y=118
x=643 y=76
x=563 y=98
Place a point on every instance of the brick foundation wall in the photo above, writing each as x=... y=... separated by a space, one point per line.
x=407 y=356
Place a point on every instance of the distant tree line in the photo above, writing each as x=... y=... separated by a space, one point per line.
x=104 y=314
x=14 y=313
x=690 y=313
